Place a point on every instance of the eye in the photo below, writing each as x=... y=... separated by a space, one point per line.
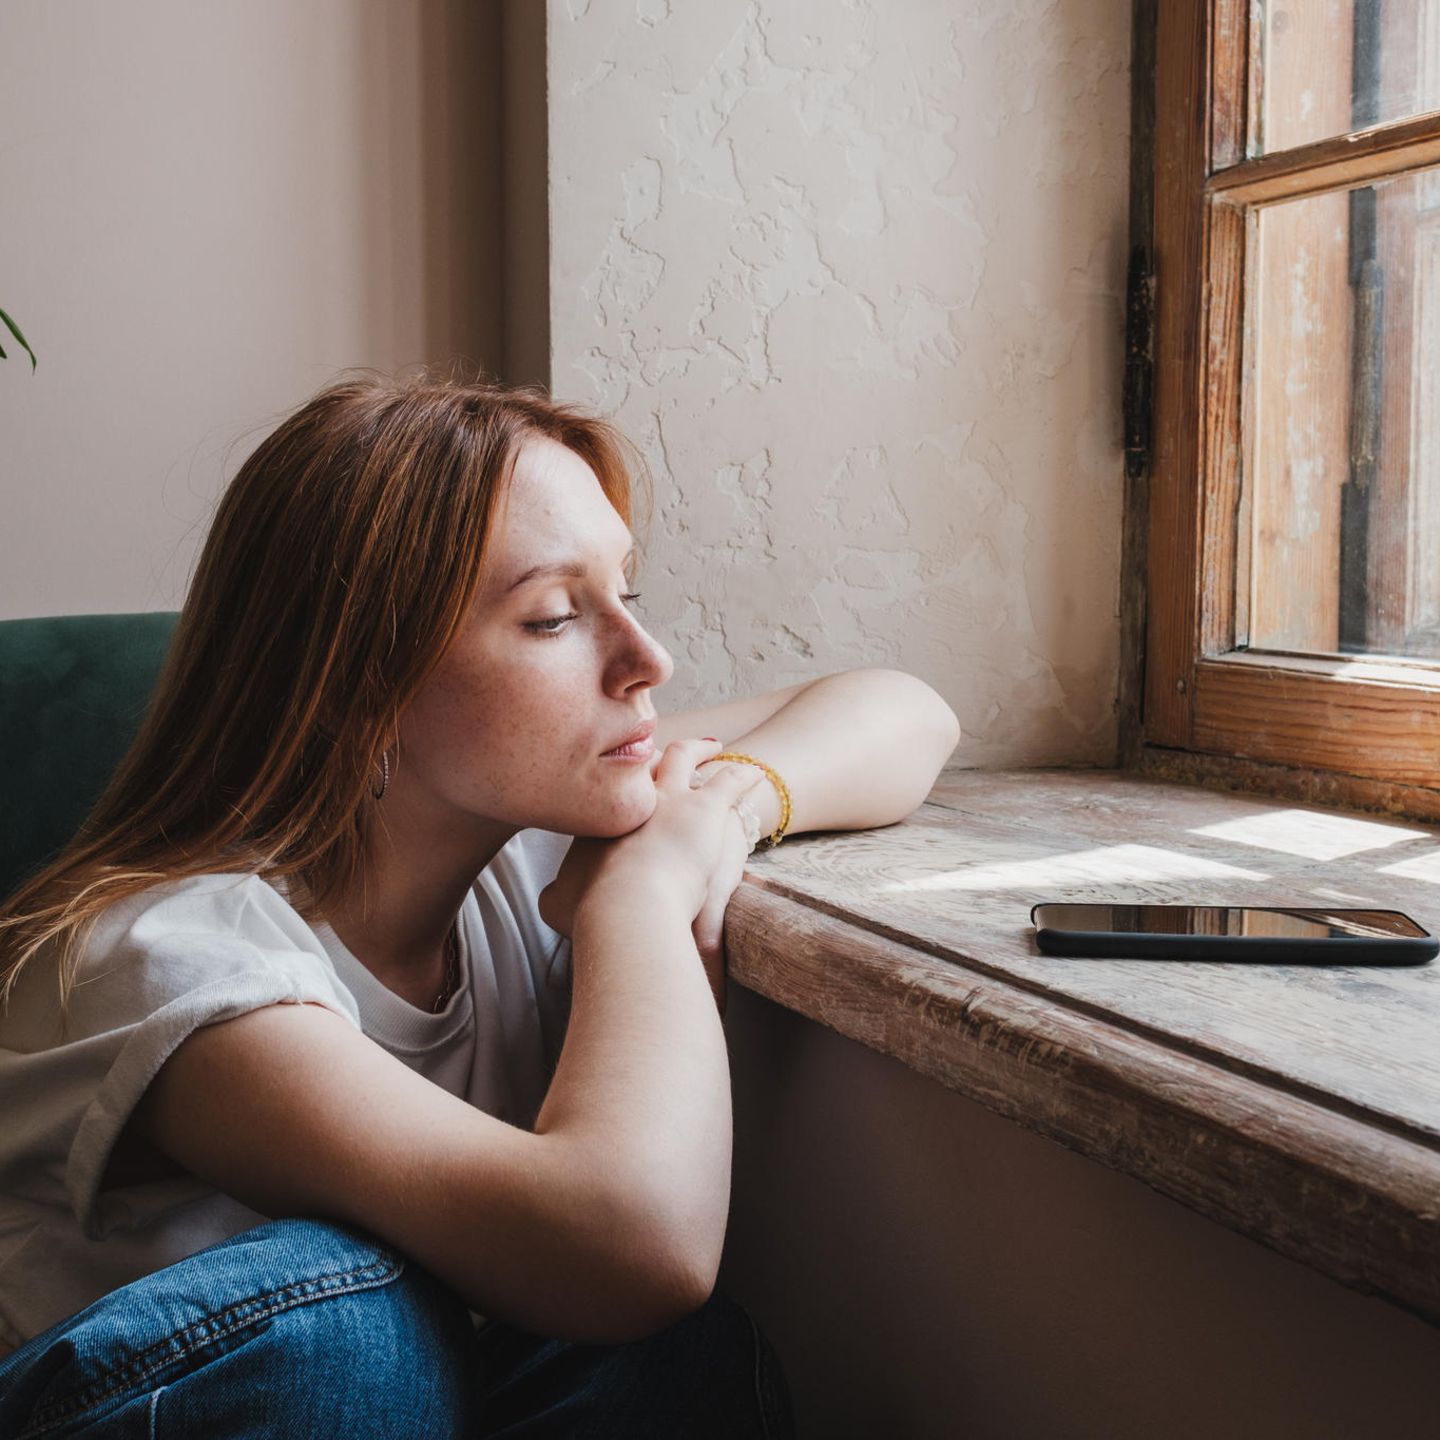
x=556 y=623
x=550 y=626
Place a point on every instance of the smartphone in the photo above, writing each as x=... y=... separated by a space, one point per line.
x=1283 y=935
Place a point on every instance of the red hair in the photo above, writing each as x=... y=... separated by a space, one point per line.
x=339 y=565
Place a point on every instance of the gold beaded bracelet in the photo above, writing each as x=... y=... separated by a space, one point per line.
x=781 y=789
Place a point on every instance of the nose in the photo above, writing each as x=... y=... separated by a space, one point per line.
x=638 y=659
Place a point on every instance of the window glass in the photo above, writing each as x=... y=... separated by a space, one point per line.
x=1326 y=67
x=1339 y=545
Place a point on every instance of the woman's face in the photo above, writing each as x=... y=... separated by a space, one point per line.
x=546 y=674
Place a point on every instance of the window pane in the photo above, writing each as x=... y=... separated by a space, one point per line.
x=1340 y=545
x=1330 y=66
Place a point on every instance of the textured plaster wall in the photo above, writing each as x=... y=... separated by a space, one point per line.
x=851 y=276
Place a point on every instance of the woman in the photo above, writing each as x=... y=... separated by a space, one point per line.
x=265 y=981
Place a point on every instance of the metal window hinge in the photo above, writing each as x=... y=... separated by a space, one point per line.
x=1139 y=361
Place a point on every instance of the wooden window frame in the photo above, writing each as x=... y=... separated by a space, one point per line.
x=1370 y=724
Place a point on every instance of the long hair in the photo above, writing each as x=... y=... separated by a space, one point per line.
x=339 y=565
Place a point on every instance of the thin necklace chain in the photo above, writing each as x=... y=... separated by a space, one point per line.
x=452 y=970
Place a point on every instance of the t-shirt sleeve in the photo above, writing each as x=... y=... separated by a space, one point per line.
x=204 y=953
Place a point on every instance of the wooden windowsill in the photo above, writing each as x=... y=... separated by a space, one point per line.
x=1297 y=1105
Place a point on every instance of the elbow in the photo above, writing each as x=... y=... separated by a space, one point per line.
x=943 y=721
x=662 y=1267
x=936 y=725
x=689 y=1264
x=949 y=729
x=644 y=1304
x=678 y=1293
x=628 y=1297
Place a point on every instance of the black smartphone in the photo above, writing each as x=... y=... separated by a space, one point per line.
x=1284 y=935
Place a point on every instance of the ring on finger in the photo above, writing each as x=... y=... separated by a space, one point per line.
x=697 y=779
x=749 y=822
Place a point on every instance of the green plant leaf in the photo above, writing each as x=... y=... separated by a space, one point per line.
x=15 y=331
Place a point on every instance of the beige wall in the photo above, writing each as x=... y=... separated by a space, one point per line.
x=853 y=286
x=852 y=277
x=209 y=211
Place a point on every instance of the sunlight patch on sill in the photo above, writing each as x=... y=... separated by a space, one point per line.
x=1326 y=892
x=1309 y=834
x=1108 y=865
x=1424 y=867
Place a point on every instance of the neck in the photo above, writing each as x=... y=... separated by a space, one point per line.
x=396 y=917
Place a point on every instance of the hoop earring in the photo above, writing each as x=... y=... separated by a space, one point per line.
x=385 y=771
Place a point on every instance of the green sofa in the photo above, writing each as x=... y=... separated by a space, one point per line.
x=73 y=690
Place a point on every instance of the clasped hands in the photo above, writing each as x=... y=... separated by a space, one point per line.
x=702 y=836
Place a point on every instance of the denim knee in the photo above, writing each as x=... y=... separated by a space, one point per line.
x=394 y=1359
x=296 y=1327
x=723 y=1328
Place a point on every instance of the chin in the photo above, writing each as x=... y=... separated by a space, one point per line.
x=619 y=815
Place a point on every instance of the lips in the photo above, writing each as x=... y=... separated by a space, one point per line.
x=641 y=732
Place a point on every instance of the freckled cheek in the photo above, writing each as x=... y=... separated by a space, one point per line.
x=451 y=716
x=515 y=722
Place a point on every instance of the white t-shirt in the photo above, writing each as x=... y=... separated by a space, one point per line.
x=207 y=948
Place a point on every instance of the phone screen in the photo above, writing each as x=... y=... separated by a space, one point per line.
x=1228 y=920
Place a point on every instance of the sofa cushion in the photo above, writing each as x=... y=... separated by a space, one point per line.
x=73 y=690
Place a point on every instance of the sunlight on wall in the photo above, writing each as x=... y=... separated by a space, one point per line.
x=852 y=278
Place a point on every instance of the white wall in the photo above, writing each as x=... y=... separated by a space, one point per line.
x=852 y=276
x=209 y=210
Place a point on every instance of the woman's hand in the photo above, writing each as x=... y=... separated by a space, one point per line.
x=692 y=845
x=709 y=925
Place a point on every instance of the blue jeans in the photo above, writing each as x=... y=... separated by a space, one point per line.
x=303 y=1329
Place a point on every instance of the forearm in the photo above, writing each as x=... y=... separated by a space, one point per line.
x=857 y=749
x=643 y=1080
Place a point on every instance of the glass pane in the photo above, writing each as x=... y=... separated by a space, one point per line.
x=1340 y=541
x=1329 y=66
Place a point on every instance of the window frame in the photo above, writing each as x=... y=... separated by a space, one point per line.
x=1371 y=724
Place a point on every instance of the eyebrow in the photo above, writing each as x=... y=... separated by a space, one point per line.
x=560 y=567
